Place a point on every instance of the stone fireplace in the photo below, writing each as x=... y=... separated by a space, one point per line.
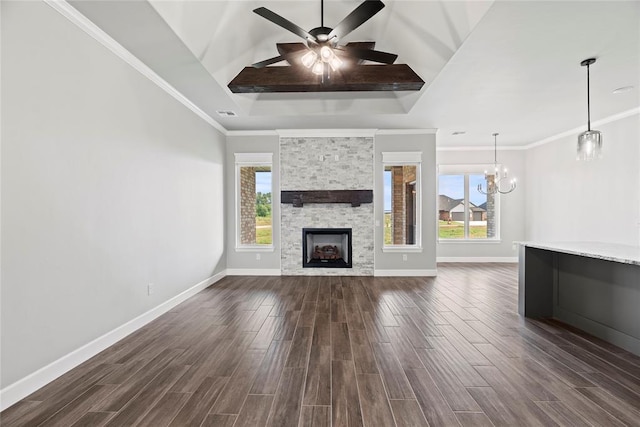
x=315 y=164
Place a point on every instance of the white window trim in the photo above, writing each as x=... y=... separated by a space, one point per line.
x=405 y=158
x=243 y=160
x=401 y=157
x=466 y=170
x=472 y=241
x=255 y=248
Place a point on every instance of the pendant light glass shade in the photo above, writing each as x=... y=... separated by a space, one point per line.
x=589 y=141
x=589 y=145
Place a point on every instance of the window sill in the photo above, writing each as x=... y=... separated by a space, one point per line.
x=472 y=241
x=257 y=248
x=403 y=248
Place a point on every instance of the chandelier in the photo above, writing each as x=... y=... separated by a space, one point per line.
x=589 y=141
x=496 y=182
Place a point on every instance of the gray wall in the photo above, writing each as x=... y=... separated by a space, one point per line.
x=244 y=260
x=512 y=207
x=108 y=184
x=425 y=260
x=599 y=200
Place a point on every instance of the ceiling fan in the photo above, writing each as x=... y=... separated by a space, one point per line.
x=322 y=64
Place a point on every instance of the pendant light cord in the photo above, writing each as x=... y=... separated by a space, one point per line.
x=322 y=13
x=588 y=103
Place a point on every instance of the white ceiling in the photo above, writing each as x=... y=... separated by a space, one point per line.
x=511 y=67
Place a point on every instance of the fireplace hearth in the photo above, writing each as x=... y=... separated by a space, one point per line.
x=326 y=248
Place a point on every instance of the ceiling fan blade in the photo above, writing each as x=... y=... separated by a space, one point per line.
x=269 y=61
x=360 y=15
x=370 y=55
x=286 y=49
x=361 y=45
x=292 y=52
x=284 y=23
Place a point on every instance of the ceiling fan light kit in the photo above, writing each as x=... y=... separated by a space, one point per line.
x=322 y=65
x=589 y=141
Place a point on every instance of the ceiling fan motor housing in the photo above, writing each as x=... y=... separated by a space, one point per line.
x=322 y=36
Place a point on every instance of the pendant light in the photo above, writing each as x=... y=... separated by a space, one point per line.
x=589 y=141
x=499 y=176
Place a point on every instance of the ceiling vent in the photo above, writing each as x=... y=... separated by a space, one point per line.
x=226 y=113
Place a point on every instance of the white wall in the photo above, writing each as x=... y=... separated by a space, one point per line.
x=420 y=263
x=586 y=201
x=512 y=208
x=108 y=184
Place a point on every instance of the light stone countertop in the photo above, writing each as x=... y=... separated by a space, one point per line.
x=607 y=251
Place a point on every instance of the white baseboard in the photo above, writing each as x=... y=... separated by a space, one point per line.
x=405 y=273
x=32 y=382
x=477 y=259
x=253 y=272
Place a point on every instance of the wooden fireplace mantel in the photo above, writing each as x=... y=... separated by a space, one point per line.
x=355 y=197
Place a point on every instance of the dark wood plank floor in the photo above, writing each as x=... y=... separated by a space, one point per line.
x=351 y=351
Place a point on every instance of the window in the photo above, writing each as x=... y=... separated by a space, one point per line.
x=464 y=213
x=401 y=179
x=254 y=201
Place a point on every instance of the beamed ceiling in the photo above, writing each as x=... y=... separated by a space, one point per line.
x=489 y=66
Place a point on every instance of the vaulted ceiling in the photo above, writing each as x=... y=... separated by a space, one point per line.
x=490 y=66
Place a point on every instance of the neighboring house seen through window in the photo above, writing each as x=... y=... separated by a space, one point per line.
x=402 y=196
x=464 y=213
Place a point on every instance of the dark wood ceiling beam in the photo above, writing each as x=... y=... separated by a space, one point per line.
x=394 y=77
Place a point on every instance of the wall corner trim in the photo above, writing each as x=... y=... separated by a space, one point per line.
x=36 y=380
x=406 y=273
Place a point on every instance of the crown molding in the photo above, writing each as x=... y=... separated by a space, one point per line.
x=86 y=25
x=575 y=131
x=406 y=131
x=328 y=133
x=481 y=148
x=252 y=133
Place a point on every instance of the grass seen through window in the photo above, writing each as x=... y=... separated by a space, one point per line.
x=455 y=230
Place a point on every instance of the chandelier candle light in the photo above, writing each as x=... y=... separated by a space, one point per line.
x=589 y=141
x=499 y=177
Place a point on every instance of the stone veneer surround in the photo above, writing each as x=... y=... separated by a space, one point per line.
x=341 y=163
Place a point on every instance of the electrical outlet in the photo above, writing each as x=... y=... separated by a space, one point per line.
x=258 y=257
x=404 y=257
x=321 y=158
x=336 y=157
x=150 y=288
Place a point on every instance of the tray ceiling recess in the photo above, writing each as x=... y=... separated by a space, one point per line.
x=322 y=64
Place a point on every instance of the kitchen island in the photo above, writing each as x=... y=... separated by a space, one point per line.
x=593 y=286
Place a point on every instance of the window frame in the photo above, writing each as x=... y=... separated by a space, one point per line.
x=251 y=160
x=465 y=171
x=405 y=158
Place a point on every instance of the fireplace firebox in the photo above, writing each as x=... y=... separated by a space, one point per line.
x=326 y=247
